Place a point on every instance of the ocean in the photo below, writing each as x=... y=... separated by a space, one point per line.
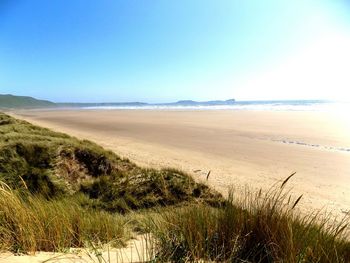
x=269 y=105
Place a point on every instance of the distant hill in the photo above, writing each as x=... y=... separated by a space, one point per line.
x=202 y=103
x=11 y=101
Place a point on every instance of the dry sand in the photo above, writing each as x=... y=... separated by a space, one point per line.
x=254 y=148
x=137 y=250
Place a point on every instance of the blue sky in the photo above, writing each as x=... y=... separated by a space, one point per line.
x=153 y=51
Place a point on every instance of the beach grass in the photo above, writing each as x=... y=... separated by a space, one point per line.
x=258 y=227
x=31 y=223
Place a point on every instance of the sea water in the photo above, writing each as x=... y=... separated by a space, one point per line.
x=291 y=105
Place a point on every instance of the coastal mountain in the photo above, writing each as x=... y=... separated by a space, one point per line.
x=11 y=101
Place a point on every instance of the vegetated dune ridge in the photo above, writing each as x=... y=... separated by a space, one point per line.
x=254 y=148
x=58 y=192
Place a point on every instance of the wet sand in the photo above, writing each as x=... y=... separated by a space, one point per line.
x=240 y=148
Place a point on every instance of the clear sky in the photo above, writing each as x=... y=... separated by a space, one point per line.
x=159 y=51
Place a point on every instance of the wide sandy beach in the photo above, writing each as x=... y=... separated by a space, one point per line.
x=240 y=148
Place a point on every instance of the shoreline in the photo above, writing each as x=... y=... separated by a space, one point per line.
x=237 y=147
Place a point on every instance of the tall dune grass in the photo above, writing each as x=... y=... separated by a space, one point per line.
x=31 y=223
x=256 y=228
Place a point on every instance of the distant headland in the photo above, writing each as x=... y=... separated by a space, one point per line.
x=11 y=101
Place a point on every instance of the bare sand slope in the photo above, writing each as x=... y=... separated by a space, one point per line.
x=255 y=148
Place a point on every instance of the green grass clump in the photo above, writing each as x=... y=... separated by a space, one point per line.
x=259 y=228
x=31 y=223
x=147 y=188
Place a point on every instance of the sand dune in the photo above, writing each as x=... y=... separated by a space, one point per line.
x=255 y=148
